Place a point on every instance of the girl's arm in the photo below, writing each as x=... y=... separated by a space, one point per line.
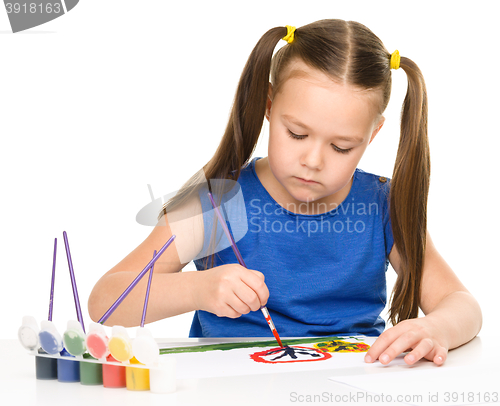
x=452 y=316
x=228 y=290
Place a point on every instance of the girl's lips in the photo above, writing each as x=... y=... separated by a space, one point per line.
x=306 y=181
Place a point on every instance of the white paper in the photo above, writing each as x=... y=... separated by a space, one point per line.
x=236 y=362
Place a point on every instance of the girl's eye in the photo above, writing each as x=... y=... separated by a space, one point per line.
x=300 y=137
x=296 y=136
x=342 y=151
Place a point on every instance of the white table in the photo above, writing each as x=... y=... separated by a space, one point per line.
x=17 y=381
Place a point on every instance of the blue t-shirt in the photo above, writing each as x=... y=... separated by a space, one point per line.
x=325 y=272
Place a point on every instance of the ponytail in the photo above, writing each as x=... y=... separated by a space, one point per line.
x=242 y=130
x=408 y=196
x=247 y=115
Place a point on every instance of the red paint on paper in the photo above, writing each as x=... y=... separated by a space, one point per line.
x=289 y=354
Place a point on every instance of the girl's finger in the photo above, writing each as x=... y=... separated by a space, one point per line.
x=248 y=297
x=440 y=355
x=238 y=306
x=257 y=284
x=226 y=311
x=423 y=348
x=380 y=345
x=409 y=339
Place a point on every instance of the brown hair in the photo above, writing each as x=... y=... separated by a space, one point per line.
x=349 y=53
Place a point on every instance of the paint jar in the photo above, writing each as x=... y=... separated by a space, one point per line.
x=97 y=341
x=28 y=333
x=162 y=377
x=113 y=376
x=144 y=347
x=49 y=337
x=45 y=367
x=67 y=371
x=137 y=378
x=120 y=346
x=74 y=338
x=90 y=372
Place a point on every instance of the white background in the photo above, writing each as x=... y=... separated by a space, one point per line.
x=119 y=94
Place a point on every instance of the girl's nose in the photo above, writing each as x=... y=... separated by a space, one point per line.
x=312 y=157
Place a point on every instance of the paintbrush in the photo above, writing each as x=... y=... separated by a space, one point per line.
x=146 y=300
x=73 y=282
x=135 y=282
x=144 y=347
x=51 y=302
x=242 y=263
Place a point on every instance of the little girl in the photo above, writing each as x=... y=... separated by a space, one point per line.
x=316 y=233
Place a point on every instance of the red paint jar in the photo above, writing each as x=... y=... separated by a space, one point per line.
x=113 y=376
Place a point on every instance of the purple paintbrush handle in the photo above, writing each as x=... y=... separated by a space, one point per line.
x=226 y=231
x=146 y=300
x=51 y=301
x=73 y=282
x=135 y=282
x=240 y=259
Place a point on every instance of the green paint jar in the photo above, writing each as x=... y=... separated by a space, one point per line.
x=90 y=372
x=74 y=338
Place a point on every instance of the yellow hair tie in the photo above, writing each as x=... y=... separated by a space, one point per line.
x=395 y=60
x=289 y=34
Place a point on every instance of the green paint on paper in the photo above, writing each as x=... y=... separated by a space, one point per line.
x=248 y=344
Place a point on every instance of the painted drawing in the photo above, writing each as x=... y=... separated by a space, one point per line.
x=290 y=354
x=319 y=352
x=341 y=346
x=255 y=344
x=221 y=359
x=253 y=356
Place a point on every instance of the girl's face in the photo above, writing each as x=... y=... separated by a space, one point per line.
x=318 y=132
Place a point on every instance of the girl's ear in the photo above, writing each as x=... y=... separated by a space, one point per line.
x=377 y=129
x=269 y=101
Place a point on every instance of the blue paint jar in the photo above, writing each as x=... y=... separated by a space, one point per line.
x=49 y=338
x=68 y=371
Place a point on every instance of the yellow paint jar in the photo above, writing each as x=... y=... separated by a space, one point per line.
x=137 y=378
x=119 y=345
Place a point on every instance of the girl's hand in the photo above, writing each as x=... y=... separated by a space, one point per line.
x=422 y=336
x=230 y=291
